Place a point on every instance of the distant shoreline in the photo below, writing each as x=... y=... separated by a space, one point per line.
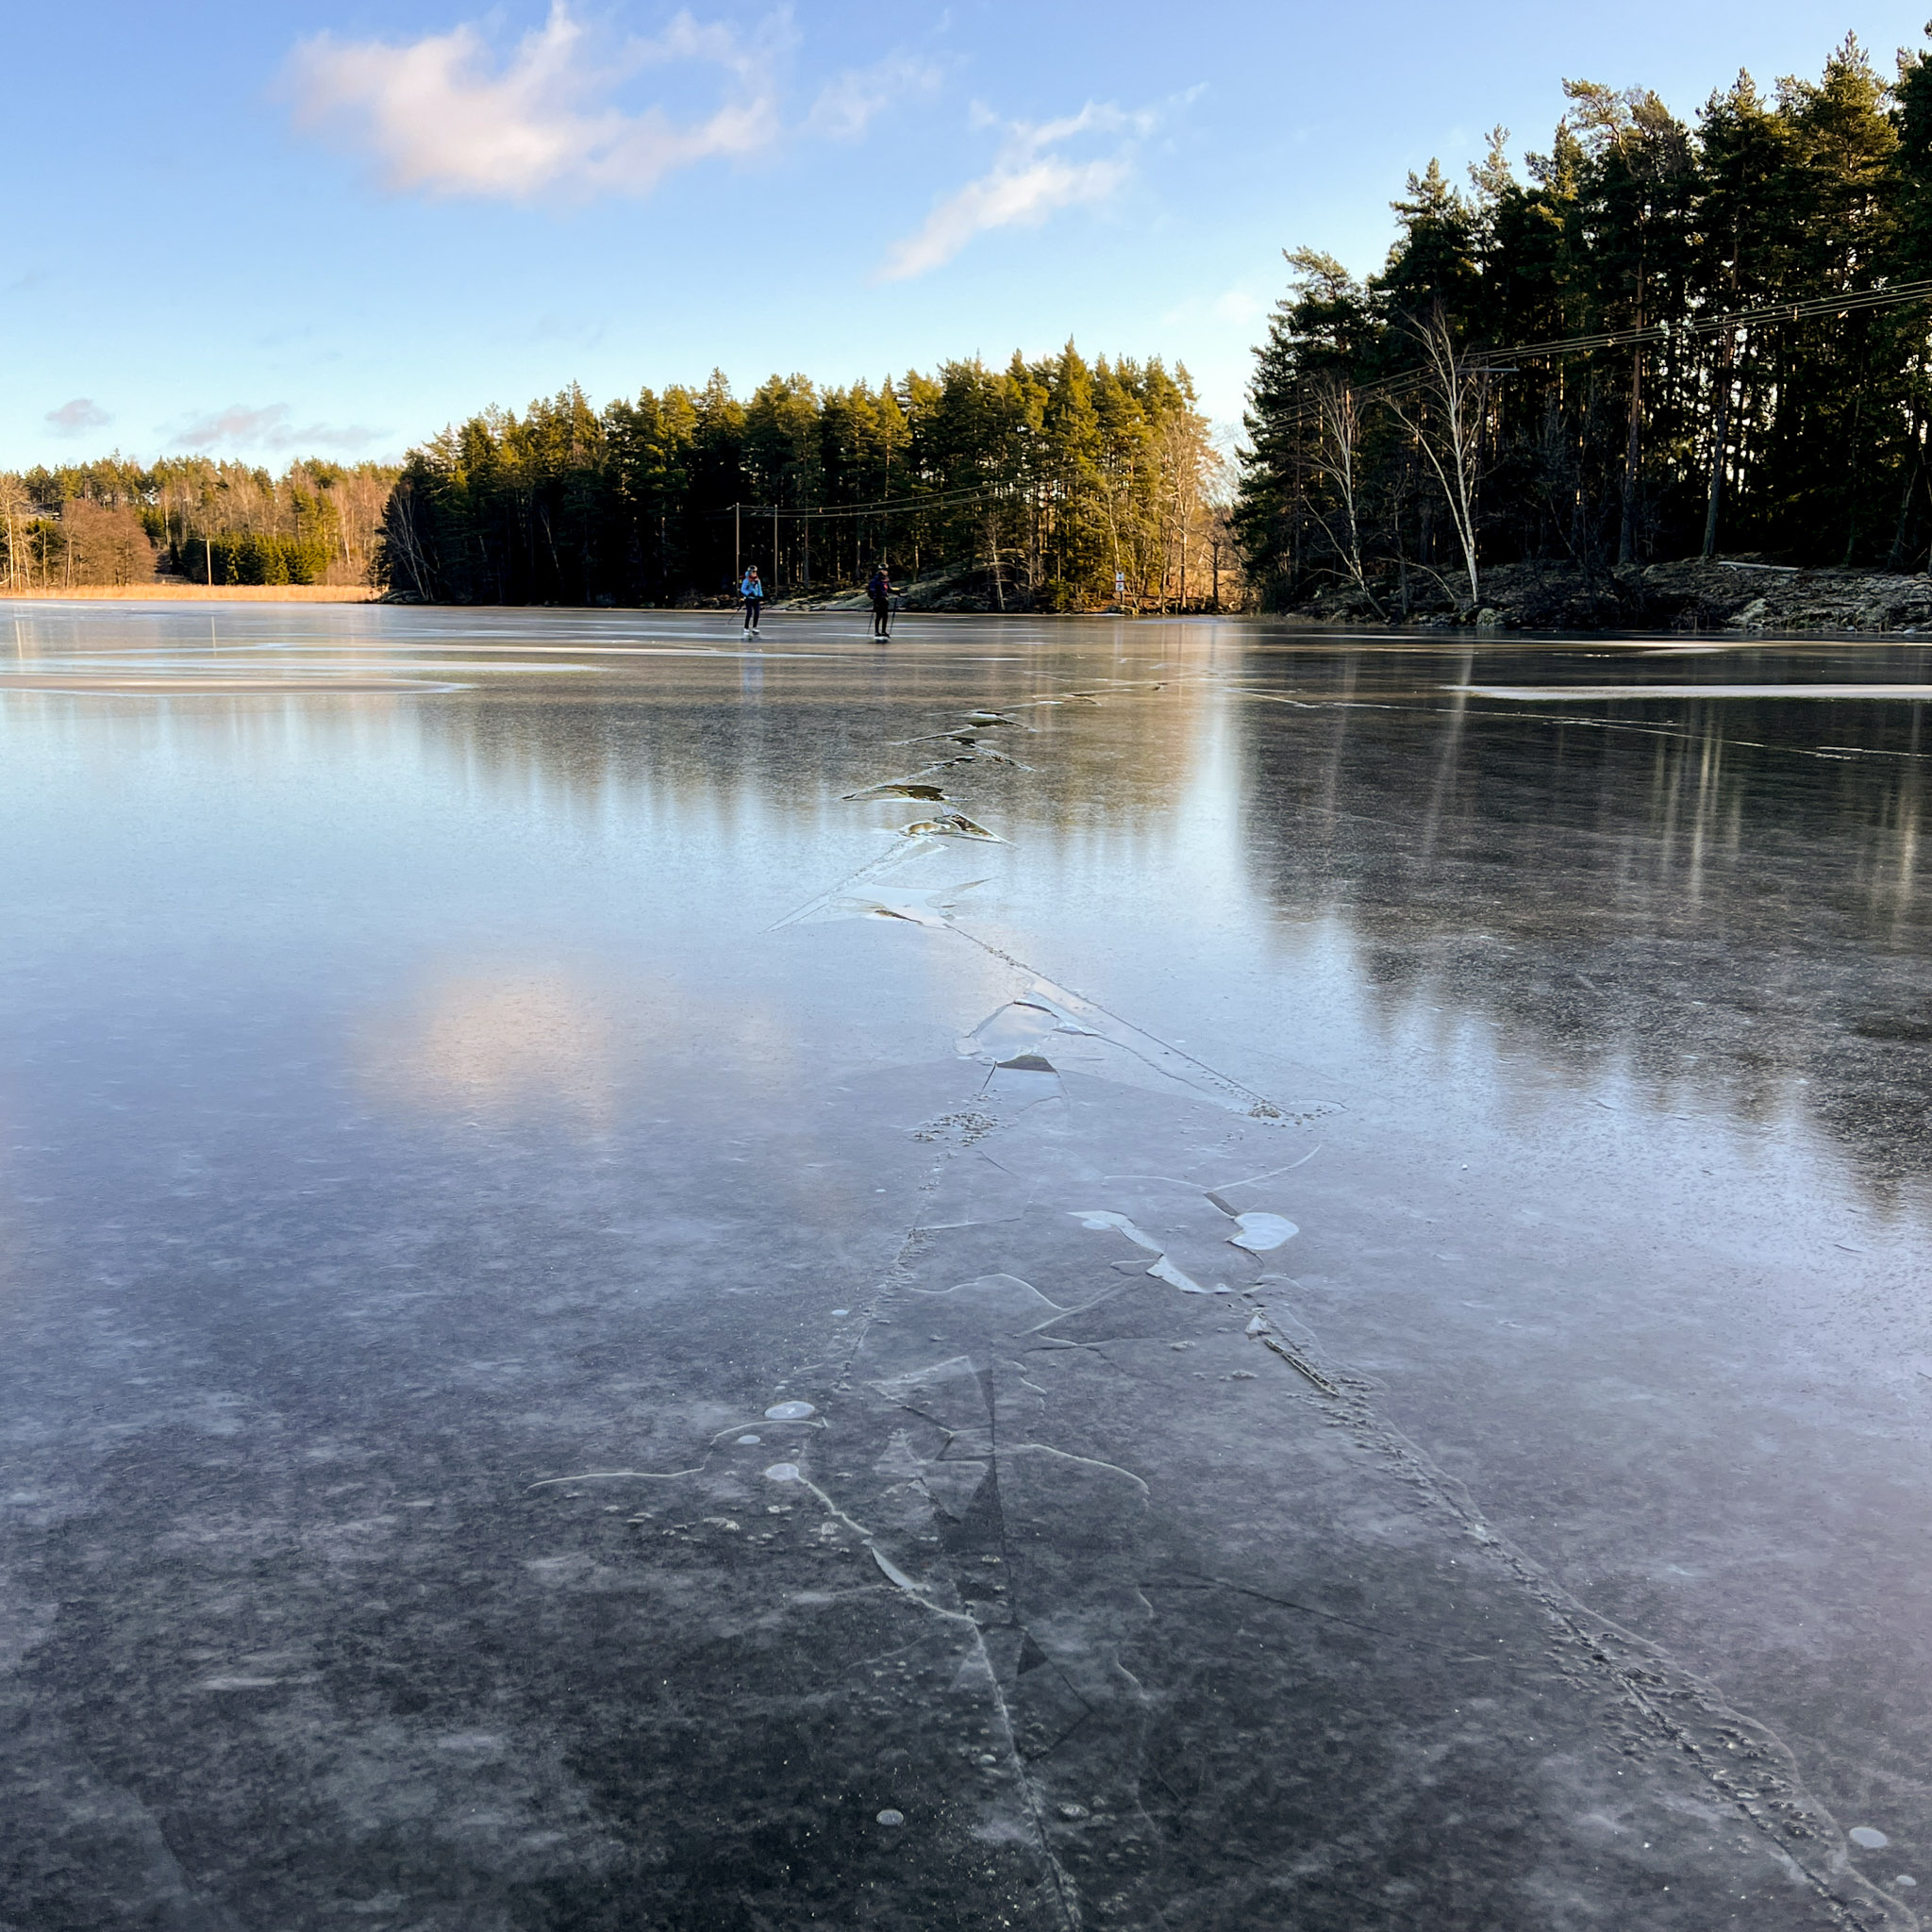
x=196 y=593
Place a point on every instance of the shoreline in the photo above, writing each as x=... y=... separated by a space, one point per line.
x=197 y=593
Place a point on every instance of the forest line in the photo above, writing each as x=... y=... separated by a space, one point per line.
x=114 y=521
x=1026 y=487
x=1032 y=485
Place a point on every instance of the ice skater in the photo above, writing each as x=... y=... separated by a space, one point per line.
x=753 y=594
x=880 y=590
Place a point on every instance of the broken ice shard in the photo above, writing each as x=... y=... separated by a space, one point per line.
x=1259 y=1232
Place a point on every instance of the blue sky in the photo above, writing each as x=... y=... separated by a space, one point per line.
x=333 y=227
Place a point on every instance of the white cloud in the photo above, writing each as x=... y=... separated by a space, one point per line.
x=1026 y=183
x=1238 y=307
x=847 y=105
x=78 y=417
x=439 y=116
x=241 y=428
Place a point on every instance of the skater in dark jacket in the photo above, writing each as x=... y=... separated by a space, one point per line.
x=880 y=590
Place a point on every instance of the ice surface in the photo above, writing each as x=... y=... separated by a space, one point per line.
x=399 y=1233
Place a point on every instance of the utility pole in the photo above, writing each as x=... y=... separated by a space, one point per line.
x=775 y=548
x=736 y=551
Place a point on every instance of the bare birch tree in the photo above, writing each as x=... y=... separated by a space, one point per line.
x=1443 y=415
x=1337 y=458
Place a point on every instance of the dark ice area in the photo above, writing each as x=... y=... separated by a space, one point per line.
x=1060 y=1274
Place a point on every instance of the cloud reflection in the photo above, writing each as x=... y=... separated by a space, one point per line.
x=526 y=1041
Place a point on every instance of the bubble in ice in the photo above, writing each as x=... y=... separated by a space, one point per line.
x=789 y=1411
x=1869 y=1837
x=746 y=1441
x=782 y=1473
x=1906 y=1878
x=1259 y=1232
x=891 y=1817
x=841 y=1311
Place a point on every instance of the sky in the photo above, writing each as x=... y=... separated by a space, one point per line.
x=330 y=229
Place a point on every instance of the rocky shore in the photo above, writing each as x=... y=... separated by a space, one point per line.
x=1694 y=594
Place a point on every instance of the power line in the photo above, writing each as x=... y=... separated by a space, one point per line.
x=885 y=506
x=1805 y=309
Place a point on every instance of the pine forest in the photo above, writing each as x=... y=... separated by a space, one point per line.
x=1670 y=339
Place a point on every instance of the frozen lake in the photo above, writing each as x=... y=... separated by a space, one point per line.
x=1065 y=1275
